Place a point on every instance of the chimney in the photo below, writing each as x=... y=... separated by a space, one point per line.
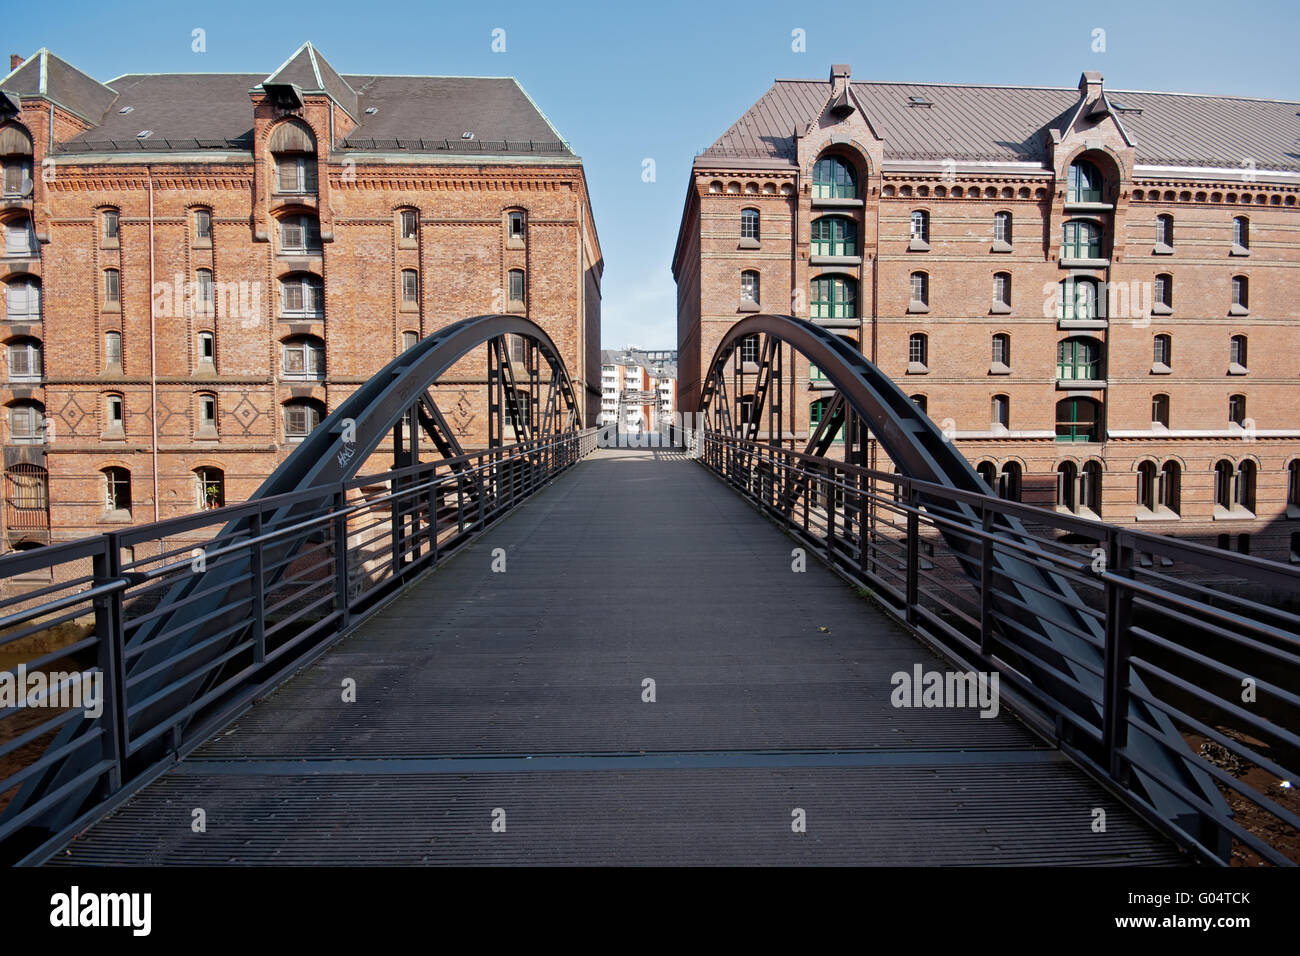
x=1090 y=85
x=15 y=61
x=840 y=74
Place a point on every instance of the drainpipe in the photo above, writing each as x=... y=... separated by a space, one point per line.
x=153 y=353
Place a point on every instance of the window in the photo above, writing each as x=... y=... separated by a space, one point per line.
x=1162 y=352
x=1234 y=487
x=834 y=297
x=833 y=178
x=113 y=412
x=29 y=496
x=300 y=234
x=1078 y=359
x=206 y=293
x=1090 y=487
x=20 y=239
x=295 y=172
x=1237 y=409
x=515 y=226
x=25 y=360
x=834 y=236
x=1082 y=240
x=1079 y=301
x=202 y=226
x=1243 y=544
x=517 y=286
x=1160 y=410
x=1002 y=227
x=1240 y=293
x=112 y=287
x=816 y=412
x=815 y=374
x=207 y=411
x=1002 y=291
x=747 y=412
x=111 y=224
x=988 y=473
x=1002 y=350
x=749 y=287
x=920 y=289
x=1067 y=485
x=409 y=339
x=1165 y=232
x=301 y=295
x=410 y=287
x=749 y=224
x=749 y=350
x=207 y=350
x=922 y=402
x=410 y=224
x=1009 y=481
x=1163 y=292
x=1169 y=490
x=1077 y=420
x=27 y=423
x=117 y=489
x=304 y=358
x=209 y=488
x=1241 y=233
x=920 y=227
x=1083 y=183
x=23 y=300
x=918 y=351
x=113 y=348
x=518 y=410
x=1293 y=483
x=1146 y=485
x=1237 y=353
x=300 y=417
x=17 y=177
x=1001 y=411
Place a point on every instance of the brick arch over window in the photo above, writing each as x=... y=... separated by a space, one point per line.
x=1110 y=165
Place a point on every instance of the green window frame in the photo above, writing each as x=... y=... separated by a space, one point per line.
x=1079 y=300
x=833 y=178
x=1081 y=240
x=815 y=412
x=834 y=236
x=834 y=297
x=815 y=374
x=1077 y=420
x=1083 y=183
x=1078 y=359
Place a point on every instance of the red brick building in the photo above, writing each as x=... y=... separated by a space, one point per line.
x=1091 y=291
x=240 y=251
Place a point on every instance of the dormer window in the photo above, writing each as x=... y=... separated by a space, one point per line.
x=293 y=150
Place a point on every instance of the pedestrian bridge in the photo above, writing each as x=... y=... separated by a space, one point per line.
x=732 y=652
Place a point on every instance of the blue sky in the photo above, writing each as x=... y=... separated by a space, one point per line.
x=624 y=82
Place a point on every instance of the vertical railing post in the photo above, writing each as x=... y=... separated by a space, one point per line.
x=255 y=558
x=986 y=580
x=1119 y=618
x=107 y=567
x=341 y=576
x=913 y=555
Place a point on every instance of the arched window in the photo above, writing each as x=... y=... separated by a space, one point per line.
x=117 y=489
x=27 y=423
x=1162 y=353
x=207 y=412
x=15 y=162
x=25 y=363
x=112 y=288
x=301 y=415
x=20 y=237
x=408 y=225
x=293 y=152
x=205 y=292
x=114 y=412
x=1082 y=240
x=1240 y=293
x=110 y=224
x=1163 y=291
x=1240 y=234
x=302 y=296
x=1164 y=233
x=749 y=224
x=1083 y=183
x=833 y=178
x=834 y=297
x=920 y=226
x=1009 y=481
x=304 y=358
x=749 y=287
x=1237 y=409
x=113 y=350
x=816 y=412
x=1079 y=300
x=1079 y=359
x=922 y=402
x=989 y=473
x=1002 y=291
x=23 y=299
x=202 y=226
x=1169 y=491
x=1090 y=487
x=1078 y=420
x=1067 y=486
x=1160 y=410
x=1001 y=411
x=300 y=234
x=1237 y=354
x=209 y=488
x=1002 y=228
x=1234 y=487
x=918 y=352
x=516 y=228
x=410 y=288
x=517 y=291
x=409 y=339
x=1146 y=485
x=834 y=236
x=207 y=348
x=920 y=290
x=1001 y=351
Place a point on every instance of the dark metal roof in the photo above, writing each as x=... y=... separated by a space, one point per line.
x=44 y=74
x=1010 y=124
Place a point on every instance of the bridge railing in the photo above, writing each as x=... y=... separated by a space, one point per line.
x=125 y=651
x=1207 y=638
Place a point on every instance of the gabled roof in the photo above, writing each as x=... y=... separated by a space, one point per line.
x=312 y=73
x=45 y=75
x=1010 y=124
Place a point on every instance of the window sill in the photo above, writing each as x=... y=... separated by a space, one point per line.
x=1081 y=323
x=829 y=203
x=1162 y=250
x=1238 y=310
x=1083 y=263
x=111 y=307
x=917 y=368
x=1000 y=308
x=1080 y=384
x=1239 y=251
x=917 y=308
x=1161 y=513
x=302 y=316
x=1081 y=512
x=514 y=242
x=116 y=516
x=1088 y=206
x=113 y=434
x=409 y=307
x=110 y=244
x=834 y=260
x=1000 y=246
x=515 y=305
x=997 y=368
x=918 y=245
x=1160 y=368
x=1159 y=308
x=748 y=305
x=748 y=242
x=1236 y=513
x=1235 y=369
x=208 y=433
x=202 y=243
